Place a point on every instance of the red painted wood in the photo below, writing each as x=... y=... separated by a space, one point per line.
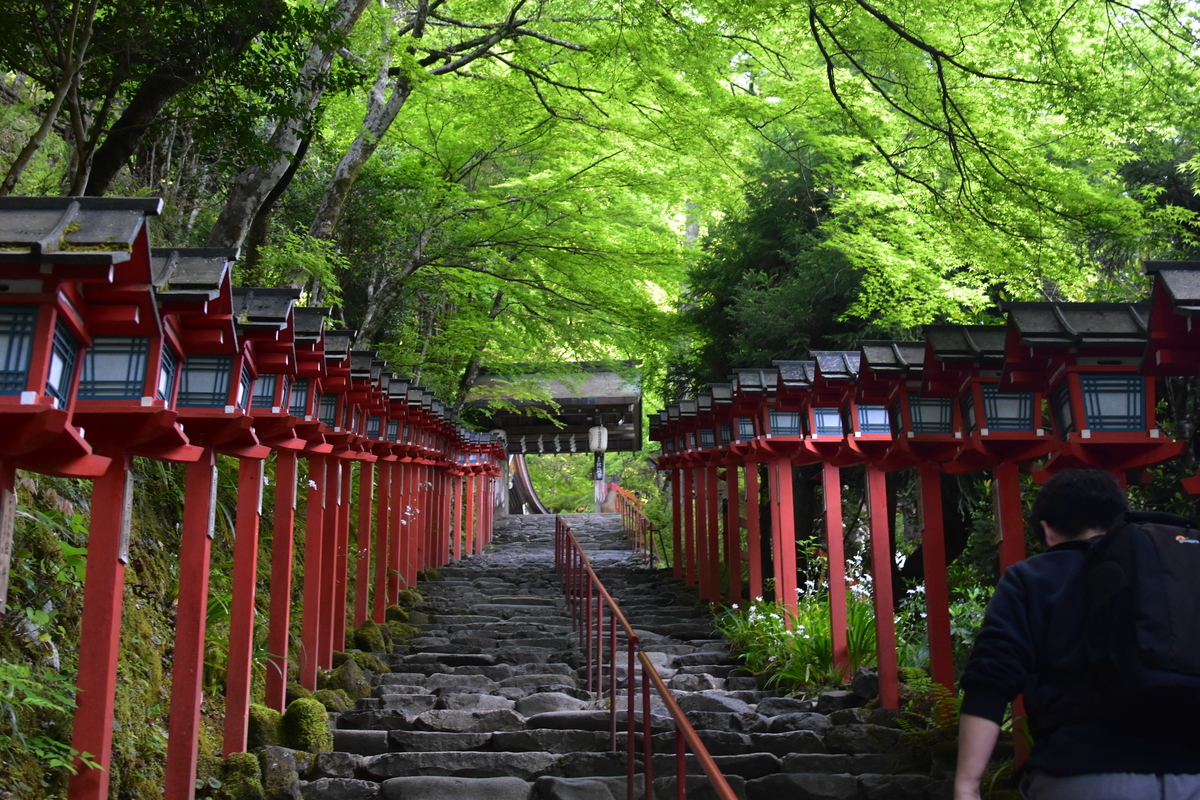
x=328 y=563
x=314 y=519
x=282 y=545
x=362 y=538
x=689 y=526
x=733 y=534
x=703 y=562
x=713 y=512
x=100 y=631
x=241 y=613
x=447 y=517
x=881 y=589
x=183 y=730
x=455 y=515
x=382 y=553
x=471 y=513
x=396 y=551
x=753 y=532
x=937 y=588
x=784 y=521
x=676 y=524
x=831 y=482
x=341 y=587
x=1010 y=520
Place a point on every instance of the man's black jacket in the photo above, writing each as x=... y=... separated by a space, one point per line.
x=1026 y=646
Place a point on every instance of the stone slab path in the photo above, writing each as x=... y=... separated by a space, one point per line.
x=489 y=703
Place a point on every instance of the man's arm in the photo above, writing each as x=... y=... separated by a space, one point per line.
x=976 y=739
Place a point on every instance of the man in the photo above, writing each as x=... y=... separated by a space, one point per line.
x=1029 y=645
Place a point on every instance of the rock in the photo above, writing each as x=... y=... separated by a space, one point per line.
x=775 y=706
x=395 y=614
x=406 y=599
x=242 y=778
x=369 y=662
x=865 y=683
x=334 y=765
x=545 y=702
x=280 y=773
x=849 y=716
x=473 y=764
x=697 y=787
x=335 y=701
x=551 y=788
x=305 y=726
x=409 y=703
x=796 y=786
x=740 y=682
x=693 y=683
x=363 y=743
x=264 y=727
x=441 y=788
x=781 y=744
x=894 y=787
x=718 y=743
x=468 y=721
x=473 y=701
x=823 y=763
x=368 y=637
x=339 y=789
x=828 y=702
x=799 y=721
x=747 y=722
x=446 y=681
x=350 y=678
x=429 y=742
x=855 y=739
x=713 y=702
x=549 y=741
x=749 y=765
x=536 y=679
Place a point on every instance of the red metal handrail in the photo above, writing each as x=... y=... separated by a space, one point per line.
x=580 y=584
x=637 y=525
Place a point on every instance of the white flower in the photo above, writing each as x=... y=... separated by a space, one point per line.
x=735 y=605
x=266 y=481
x=312 y=484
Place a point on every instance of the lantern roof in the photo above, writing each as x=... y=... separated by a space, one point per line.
x=1080 y=324
x=337 y=344
x=261 y=309
x=837 y=365
x=191 y=274
x=361 y=362
x=796 y=374
x=1181 y=279
x=755 y=381
x=310 y=324
x=72 y=230
x=894 y=357
x=973 y=344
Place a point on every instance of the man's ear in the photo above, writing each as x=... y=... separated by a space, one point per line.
x=1050 y=536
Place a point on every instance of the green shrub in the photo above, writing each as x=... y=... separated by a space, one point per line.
x=306 y=726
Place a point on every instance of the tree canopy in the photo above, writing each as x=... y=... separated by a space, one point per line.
x=482 y=183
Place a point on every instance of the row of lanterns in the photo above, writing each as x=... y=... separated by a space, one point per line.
x=111 y=349
x=1060 y=385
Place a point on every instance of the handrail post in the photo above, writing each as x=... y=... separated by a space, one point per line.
x=629 y=714
x=680 y=765
x=587 y=634
x=612 y=694
x=599 y=649
x=647 y=734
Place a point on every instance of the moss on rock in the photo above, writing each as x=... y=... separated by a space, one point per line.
x=306 y=726
x=401 y=633
x=370 y=662
x=369 y=638
x=349 y=678
x=333 y=699
x=409 y=598
x=295 y=691
x=395 y=614
x=242 y=779
x=265 y=727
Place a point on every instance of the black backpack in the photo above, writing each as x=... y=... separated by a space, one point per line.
x=1141 y=640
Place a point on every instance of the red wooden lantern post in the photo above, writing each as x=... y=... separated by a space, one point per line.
x=925 y=435
x=215 y=386
x=706 y=457
x=265 y=319
x=1174 y=346
x=667 y=462
x=747 y=407
x=722 y=415
x=79 y=274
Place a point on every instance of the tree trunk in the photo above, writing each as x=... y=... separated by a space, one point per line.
x=380 y=115
x=471 y=373
x=252 y=187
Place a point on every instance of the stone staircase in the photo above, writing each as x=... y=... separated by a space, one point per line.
x=490 y=702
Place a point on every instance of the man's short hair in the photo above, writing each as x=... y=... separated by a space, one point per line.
x=1075 y=501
